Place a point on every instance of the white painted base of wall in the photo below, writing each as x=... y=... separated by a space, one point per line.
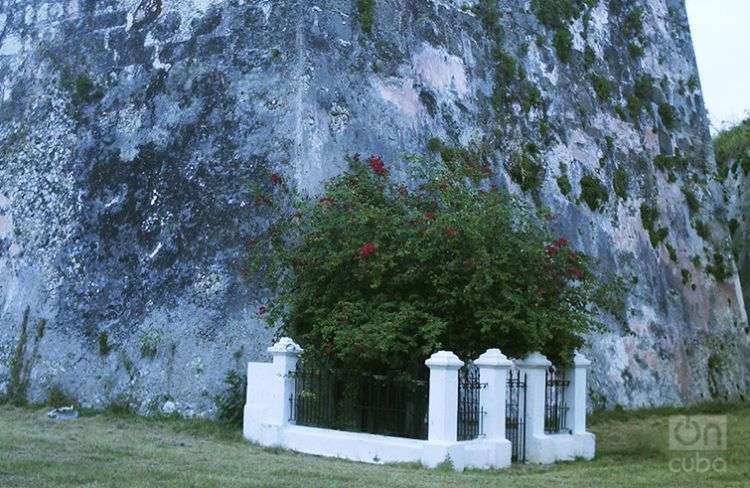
x=378 y=449
x=547 y=449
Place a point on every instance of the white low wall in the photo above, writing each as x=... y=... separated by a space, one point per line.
x=267 y=414
x=378 y=449
x=548 y=449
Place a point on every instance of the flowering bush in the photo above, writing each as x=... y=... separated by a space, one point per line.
x=379 y=274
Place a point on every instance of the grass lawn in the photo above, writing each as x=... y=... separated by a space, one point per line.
x=128 y=451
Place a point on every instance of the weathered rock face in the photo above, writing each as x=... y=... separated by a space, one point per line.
x=735 y=146
x=131 y=132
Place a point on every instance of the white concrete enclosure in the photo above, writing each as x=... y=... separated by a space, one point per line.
x=553 y=427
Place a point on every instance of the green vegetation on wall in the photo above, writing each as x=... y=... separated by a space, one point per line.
x=104 y=346
x=434 y=145
x=702 y=229
x=82 y=89
x=525 y=170
x=593 y=192
x=693 y=204
x=18 y=384
x=366 y=10
x=670 y=163
x=558 y=15
x=718 y=268
x=564 y=184
x=511 y=84
x=633 y=25
x=563 y=42
x=686 y=276
x=602 y=87
x=621 y=182
x=733 y=225
x=668 y=115
x=649 y=218
x=672 y=252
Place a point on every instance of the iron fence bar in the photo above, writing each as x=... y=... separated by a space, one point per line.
x=555 y=402
x=515 y=414
x=379 y=404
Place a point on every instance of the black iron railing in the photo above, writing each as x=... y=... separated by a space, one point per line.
x=470 y=413
x=515 y=414
x=555 y=404
x=387 y=404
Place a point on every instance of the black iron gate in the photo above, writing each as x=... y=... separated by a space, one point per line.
x=515 y=414
x=555 y=403
x=470 y=413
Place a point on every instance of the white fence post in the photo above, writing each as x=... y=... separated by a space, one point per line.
x=285 y=356
x=576 y=394
x=535 y=366
x=493 y=372
x=443 y=399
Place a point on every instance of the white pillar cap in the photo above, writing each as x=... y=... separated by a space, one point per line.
x=445 y=359
x=581 y=360
x=493 y=358
x=535 y=360
x=285 y=346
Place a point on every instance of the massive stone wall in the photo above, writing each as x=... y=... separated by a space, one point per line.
x=132 y=131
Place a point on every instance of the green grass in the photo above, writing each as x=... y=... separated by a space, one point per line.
x=124 y=450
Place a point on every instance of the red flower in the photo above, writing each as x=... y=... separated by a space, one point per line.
x=327 y=200
x=402 y=190
x=576 y=273
x=551 y=251
x=468 y=264
x=561 y=242
x=451 y=232
x=276 y=178
x=548 y=216
x=429 y=215
x=573 y=255
x=377 y=165
x=366 y=250
x=261 y=199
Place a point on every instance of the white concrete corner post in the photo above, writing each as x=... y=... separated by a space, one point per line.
x=576 y=395
x=443 y=397
x=285 y=356
x=493 y=372
x=268 y=390
x=442 y=426
x=534 y=366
